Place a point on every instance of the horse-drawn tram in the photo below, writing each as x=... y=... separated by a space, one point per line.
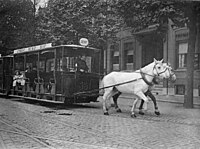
x=56 y=73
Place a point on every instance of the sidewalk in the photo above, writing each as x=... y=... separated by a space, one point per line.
x=169 y=98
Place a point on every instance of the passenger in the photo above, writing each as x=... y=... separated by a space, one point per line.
x=18 y=78
x=81 y=65
x=31 y=74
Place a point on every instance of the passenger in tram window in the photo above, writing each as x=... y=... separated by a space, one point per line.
x=31 y=74
x=28 y=69
x=80 y=64
x=18 y=78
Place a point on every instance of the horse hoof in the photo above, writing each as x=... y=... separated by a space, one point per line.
x=119 y=110
x=133 y=115
x=106 y=113
x=157 y=112
x=141 y=113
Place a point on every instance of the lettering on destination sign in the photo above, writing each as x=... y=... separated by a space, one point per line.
x=33 y=48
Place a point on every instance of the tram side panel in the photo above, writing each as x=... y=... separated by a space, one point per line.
x=87 y=85
x=68 y=83
x=83 y=83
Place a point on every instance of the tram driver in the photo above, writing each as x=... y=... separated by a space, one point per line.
x=80 y=64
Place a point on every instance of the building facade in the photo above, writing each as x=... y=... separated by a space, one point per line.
x=132 y=52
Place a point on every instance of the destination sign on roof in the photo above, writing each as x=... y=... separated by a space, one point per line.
x=84 y=41
x=33 y=48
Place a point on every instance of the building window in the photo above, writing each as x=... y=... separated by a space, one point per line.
x=180 y=89
x=182 y=55
x=129 y=56
x=116 y=57
x=115 y=61
x=197 y=61
x=129 y=50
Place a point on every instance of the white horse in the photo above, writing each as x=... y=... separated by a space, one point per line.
x=156 y=80
x=172 y=79
x=136 y=83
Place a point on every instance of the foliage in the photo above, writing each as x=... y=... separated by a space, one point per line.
x=66 y=21
x=16 y=27
x=139 y=14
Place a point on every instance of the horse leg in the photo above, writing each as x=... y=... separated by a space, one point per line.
x=133 y=108
x=154 y=102
x=140 y=107
x=142 y=103
x=106 y=97
x=142 y=96
x=115 y=97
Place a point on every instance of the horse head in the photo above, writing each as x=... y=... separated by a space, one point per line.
x=160 y=69
x=171 y=71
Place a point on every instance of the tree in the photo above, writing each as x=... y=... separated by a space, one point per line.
x=139 y=14
x=16 y=17
x=65 y=21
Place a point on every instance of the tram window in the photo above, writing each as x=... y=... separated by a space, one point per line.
x=46 y=61
x=59 y=65
x=68 y=64
x=50 y=65
x=31 y=61
x=19 y=63
x=42 y=66
x=88 y=62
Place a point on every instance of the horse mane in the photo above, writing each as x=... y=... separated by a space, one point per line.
x=147 y=66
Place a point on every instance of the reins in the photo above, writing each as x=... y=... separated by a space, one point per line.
x=94 y=90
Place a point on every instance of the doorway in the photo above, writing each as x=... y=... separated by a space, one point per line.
x=152 y=47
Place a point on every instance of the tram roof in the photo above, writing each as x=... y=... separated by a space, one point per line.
x=35 y=48
x=10 y=55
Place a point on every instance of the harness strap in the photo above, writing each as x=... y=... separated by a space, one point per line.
x=144 y=78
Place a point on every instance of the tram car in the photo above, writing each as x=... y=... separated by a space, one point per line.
x=52 y=73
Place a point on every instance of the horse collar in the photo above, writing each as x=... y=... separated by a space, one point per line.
x=144 y=78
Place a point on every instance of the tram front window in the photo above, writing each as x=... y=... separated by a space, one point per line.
x=72 y=64
x=67 y=64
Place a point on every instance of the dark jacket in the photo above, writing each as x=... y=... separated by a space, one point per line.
x=81 y=65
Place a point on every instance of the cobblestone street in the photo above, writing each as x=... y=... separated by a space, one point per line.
x=32 y=125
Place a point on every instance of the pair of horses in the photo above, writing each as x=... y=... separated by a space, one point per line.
x=136 y=83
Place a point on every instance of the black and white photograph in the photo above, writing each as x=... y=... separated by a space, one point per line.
x=99 y=74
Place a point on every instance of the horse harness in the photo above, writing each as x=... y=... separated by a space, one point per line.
x=143 y=77
x=160 y=72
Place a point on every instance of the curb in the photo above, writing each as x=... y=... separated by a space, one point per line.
x=167 y=99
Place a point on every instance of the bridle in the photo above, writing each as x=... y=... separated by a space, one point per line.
x=171 y=72
x=158 y=73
